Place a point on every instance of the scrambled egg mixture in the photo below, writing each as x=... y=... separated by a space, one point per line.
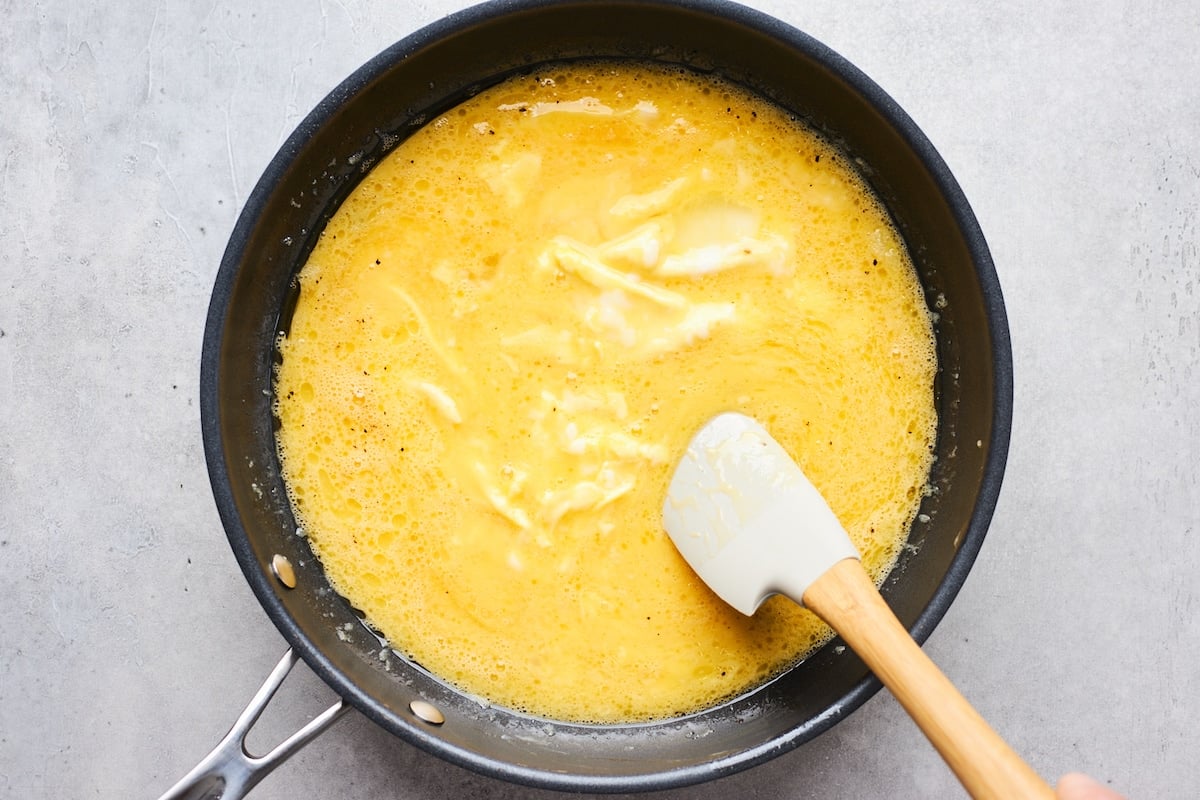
x=508 y=333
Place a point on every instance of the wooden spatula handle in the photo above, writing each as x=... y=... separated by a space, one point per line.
x=845 y=597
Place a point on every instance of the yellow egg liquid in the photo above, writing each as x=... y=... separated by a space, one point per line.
x=510 y=330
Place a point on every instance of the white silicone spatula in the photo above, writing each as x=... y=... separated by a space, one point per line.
x=750 y=523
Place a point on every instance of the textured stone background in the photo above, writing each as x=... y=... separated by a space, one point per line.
x=130 y=136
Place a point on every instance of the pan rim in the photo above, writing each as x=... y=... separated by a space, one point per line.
x=219 y=474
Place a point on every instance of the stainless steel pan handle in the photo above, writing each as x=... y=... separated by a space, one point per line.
x=230 y=771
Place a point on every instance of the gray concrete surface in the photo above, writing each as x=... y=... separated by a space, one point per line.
x=130 y=136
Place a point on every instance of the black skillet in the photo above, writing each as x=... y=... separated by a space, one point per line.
x=356 y=125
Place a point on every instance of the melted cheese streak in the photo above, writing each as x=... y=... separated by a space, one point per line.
x=508 y=333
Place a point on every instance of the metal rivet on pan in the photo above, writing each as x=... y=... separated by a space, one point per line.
x=427 y=712
x=283 y=571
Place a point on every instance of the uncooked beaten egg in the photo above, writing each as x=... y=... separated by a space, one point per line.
x=509 y=331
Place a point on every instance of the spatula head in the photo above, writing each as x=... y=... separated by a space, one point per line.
x=745 y=517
